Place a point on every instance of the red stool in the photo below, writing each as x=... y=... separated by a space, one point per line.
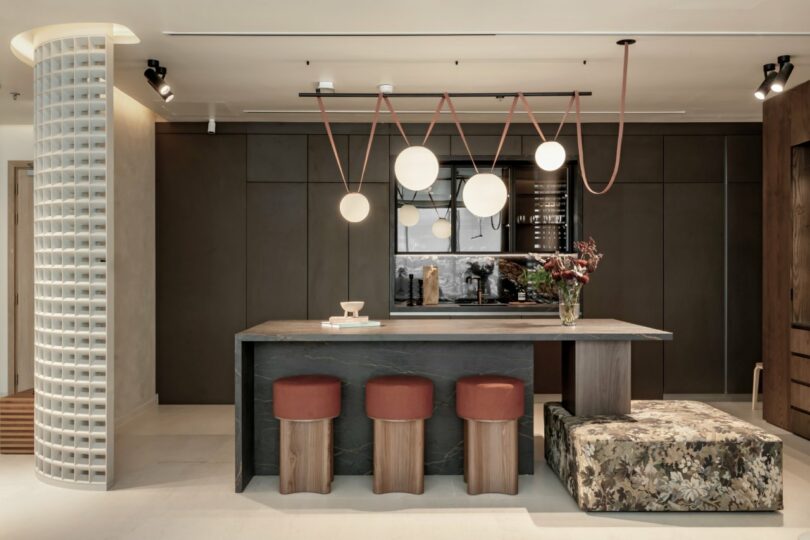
x=399 y=405
x=305 y=406
x=490 y=406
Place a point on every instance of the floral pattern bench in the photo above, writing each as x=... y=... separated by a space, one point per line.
x=665 y=456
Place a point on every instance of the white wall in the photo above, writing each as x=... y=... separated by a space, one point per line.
x=16 y=144
x=134 y=256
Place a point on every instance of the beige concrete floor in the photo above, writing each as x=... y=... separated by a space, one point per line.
x=175 y=480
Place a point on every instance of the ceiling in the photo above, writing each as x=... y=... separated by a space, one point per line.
x=707 y=75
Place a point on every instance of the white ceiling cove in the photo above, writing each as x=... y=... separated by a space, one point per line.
x=695 y=60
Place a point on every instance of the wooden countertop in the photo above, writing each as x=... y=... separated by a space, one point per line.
x=458 y=330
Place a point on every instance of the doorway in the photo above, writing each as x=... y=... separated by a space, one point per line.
x=21 y=276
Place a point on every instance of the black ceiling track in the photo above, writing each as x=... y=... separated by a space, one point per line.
x=440 y=94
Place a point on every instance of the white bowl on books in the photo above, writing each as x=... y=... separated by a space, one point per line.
x=352 y=307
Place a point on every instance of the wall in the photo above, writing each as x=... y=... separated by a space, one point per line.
x=248 y=230
x=134 y=255
x=16 y=144
x=786 y=123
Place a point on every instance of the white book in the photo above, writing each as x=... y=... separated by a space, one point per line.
x=359 y=324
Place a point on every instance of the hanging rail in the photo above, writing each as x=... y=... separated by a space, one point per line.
x=439 y=94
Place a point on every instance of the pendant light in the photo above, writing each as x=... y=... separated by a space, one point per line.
x=416 y=168
x=441 y=228
x=484 y=194
x=354 y=207
x=550 y=155
x=408 y=215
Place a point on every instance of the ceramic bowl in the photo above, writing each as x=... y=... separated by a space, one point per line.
x=352 y=307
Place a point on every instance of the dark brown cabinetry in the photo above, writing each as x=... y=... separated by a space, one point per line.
x=694 y=288
x=327 y=243
x=276 y=251
x=785 y=337
x=200 y=264
x=629 y=284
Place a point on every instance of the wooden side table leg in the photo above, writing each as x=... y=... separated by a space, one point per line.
x=305 y=456
x=399 y=456
x=596 y=377
x=492 y=457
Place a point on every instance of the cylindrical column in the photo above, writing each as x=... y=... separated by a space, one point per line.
x=72 y=189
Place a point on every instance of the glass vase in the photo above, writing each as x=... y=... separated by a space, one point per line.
x=569 y=304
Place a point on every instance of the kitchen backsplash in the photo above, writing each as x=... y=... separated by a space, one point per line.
x=502 y=276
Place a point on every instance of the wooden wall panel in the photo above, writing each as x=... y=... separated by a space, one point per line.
x=328 y=248
x=628 y=225
x=276 y=252
x=744 y=200
x=694 y=158
x=693 y=288
x=201 y=251
x=369 y=256
x=277 y=158
x=776 y=258
x=642 y=158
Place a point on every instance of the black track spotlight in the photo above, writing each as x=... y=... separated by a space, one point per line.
x=156 y=74
x=765 y=87
x=785 y=69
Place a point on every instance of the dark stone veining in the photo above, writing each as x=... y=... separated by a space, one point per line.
x=355 y=363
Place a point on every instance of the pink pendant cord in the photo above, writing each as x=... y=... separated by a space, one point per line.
x=618 y=142
x=505 y=130
x=460 y=131
x=325 y=119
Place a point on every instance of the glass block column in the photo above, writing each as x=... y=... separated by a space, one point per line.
x=72 y=183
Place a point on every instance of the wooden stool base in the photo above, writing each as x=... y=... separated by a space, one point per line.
x=305 y=456
x=399 y=456
x=491 y=456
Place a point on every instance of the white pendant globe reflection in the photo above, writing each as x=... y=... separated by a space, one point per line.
x=550 y=156
x=408 y=215
x=416 y=168
x=441 y=228
x=354 y=207
x=484 y=195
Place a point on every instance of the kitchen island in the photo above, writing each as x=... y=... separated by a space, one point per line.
x=596 y=378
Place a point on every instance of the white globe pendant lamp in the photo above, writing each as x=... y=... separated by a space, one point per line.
x=484 y=195
x=354 y=207
x=416 y=168
x=408 y=215
x=441 y=228
x=550 y=155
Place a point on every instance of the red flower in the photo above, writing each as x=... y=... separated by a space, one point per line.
x=583 y=279
x=555 y=275
x=582 y=262
x=567 y=274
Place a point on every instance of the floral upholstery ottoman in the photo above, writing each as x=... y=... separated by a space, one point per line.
x=664 y=456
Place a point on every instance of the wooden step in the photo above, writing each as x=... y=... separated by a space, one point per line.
x=17 y=423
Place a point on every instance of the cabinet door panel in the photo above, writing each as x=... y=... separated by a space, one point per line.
x=201 y=183
x=627 y=225
x=277 y=158
x=744 y=284
x=276 y=252
x=694 y=158
x=369 y=255
x=328 y=248
x=377 y=167
x=321 y=164
x=642 y=158
x=693 y=288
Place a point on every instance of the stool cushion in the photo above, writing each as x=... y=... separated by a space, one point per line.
x=306 y=397
x=399 y=397
x=489 y=397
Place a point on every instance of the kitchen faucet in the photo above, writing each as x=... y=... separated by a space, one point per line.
x=469 y=279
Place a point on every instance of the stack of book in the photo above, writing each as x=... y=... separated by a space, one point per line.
x=349 y=322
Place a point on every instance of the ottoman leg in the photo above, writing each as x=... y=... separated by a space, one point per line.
x=305 y=456
x=399 y=456
x=491 y=450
